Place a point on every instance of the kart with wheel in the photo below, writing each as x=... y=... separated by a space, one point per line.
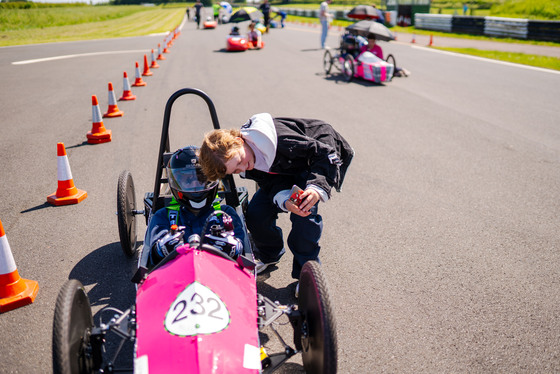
x=198 y=310
x=210 y=23
x=346 y=59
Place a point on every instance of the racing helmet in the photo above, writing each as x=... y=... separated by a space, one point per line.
x=189 y=185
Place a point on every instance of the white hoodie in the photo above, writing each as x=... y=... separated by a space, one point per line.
x=260 y=133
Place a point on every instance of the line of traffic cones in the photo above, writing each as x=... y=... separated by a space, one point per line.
x=15 y=291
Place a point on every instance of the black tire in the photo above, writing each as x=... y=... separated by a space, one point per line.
x=318 y=326
x=126 y=205
x=327 y=62
x=72 y=326
x=391 y=60
x=348 y=68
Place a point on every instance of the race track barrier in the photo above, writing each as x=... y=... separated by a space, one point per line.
x=518 y=28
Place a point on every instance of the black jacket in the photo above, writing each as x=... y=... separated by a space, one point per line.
x=309 y=152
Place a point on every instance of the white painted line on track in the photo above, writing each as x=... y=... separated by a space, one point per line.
x=487 y=60
x=24 y=62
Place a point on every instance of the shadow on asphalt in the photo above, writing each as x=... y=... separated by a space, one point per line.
x=338 y=78
x=109 y=271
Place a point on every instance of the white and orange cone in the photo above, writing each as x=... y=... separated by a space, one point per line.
x=127 y=93
x=154 y=64
x=98 y=133
x=15 y=291
x=413 y=38
x=66 y=193
x=138 y=81
x=146 y=71
x=113 y=110
x=160 y=56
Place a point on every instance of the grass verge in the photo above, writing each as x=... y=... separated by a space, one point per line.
x=517 y=58
x=144 y=22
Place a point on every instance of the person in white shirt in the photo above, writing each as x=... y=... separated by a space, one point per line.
x=324 y=17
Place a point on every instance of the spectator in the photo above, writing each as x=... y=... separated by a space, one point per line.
x=197 y=7
x=325 y=18
x=265 y=9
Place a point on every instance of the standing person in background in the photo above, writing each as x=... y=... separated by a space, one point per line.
x=265 y=9
x=197 y=7
x=324 y=17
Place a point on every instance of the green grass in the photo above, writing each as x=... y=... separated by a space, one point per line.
x=533 y=9
x=97 y=22
x=21 y=19
x=518 y=58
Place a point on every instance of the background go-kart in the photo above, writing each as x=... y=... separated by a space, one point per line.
x=441 y=252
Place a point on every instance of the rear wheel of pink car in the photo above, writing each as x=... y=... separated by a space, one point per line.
x=391 y=60
x=348 y=68
x=318 y=327
x=72 y=327
x=126 y=206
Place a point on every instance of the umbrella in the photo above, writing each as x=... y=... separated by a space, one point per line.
x=367 y=27
x=226 y=6
x=363 y=12
x=247 y=13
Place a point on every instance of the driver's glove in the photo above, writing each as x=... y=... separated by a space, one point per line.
x=165 y=246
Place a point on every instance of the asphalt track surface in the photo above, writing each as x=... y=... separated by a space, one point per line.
x=441 y=252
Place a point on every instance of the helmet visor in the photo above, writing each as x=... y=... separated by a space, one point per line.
x=189 y=180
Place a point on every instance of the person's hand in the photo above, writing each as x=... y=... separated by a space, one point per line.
x=309 y=198
x=168 y=243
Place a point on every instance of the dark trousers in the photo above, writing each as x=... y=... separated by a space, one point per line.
x=303 y=239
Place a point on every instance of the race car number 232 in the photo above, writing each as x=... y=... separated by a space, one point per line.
x=196 y=310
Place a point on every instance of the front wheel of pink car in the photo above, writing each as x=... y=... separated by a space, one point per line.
x=348 y=68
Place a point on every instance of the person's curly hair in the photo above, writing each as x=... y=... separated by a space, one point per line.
x=218 y=147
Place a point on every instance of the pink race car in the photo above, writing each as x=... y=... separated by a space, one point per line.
x=198 y=310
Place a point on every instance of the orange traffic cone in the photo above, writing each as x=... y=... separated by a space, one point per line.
x=431 y=40
x=165 y=50
x=66 y=193
x=127 y=93
x=160 y=56
x=98 y=133
x=15 y=291
x=113 y=110
x=413 y=38
x=138 y=82
x=146 y=71
x=154 y=64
